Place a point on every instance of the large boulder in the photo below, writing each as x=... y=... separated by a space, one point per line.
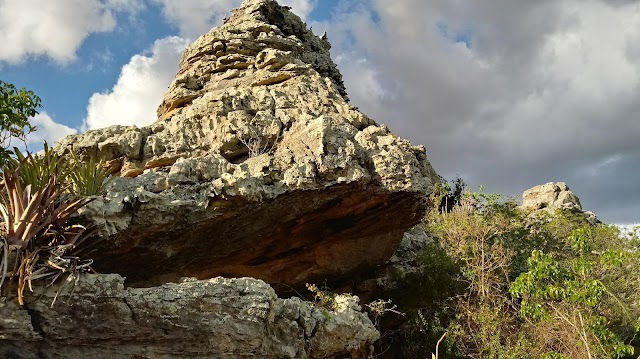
x=257 y=166
x=217 y=318
x=553 y=196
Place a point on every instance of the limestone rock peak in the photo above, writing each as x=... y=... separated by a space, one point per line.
x=552 y=195
x=262 y=43
x=256 y=166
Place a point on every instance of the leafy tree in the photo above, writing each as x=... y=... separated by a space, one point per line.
x=447 y=195
x=571 y=296
x=16 y=106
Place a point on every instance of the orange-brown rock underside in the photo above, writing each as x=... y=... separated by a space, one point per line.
x=300 y=237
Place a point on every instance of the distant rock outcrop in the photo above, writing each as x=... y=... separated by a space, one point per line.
x=217 y=318
x=257 y=166
x=553 y=196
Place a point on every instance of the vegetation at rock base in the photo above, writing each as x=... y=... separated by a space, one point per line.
x=508 y=283
x=39 y=194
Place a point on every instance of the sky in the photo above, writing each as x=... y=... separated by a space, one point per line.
x=505 y=94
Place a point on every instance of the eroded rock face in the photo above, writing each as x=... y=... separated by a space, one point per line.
x=554 y=196
x=257 y=166
x=217 y=318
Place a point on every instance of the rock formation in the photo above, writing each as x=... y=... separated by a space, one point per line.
x=257 y=166
x=217 y=318
x=553 y=196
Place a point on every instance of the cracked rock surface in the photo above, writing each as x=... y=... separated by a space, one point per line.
x=217 y=318
x=257 y=166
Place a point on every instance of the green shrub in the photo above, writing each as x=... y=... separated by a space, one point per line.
x=535 y=285
x=39 y=195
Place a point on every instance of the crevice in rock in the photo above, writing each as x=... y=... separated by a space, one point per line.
x=38 y=327
x=143 y=142
x=134 y=315
x=36 y=321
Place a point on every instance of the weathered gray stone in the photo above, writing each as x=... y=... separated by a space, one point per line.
x=554 y=196
x=257 y=166
x=217 y=318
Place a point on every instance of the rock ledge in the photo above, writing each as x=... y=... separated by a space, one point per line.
x=217 y=318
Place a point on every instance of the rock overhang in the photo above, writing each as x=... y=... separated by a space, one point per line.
x=257 y=165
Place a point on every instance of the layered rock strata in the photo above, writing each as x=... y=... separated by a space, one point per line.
x=217 y=318
x=257 y=166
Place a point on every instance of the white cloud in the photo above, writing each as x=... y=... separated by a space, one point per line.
x=46 y=130
x=54 y=28
x=194 y=18
x=514 y=94
x=143 y=81
x=140 y=87
x=301 y=8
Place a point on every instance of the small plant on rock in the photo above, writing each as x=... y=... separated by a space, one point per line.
x=323 y=298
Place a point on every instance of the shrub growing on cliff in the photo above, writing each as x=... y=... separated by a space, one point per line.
x=447 y=195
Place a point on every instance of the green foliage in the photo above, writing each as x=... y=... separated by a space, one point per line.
x=446 y=196
x=89 y=176
x=424 y=294
x=37 y=170
x=553 y=355
x=480 y=232
x=571 y=290
x=16 y=106
x=379 y=307
x=536 y=285
x=39 y=196
x=84 y=176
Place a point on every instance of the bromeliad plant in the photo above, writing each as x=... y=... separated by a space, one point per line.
x=39 y=196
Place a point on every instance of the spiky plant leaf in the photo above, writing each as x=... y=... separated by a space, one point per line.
x=36 y=205
x=37 y=169
x=88 y=176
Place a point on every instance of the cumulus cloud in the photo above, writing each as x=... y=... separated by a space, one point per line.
x=46 y=130
x=142 y=82
x=301 y=8
x=140 y=87
x=196 y=17
x=55 y=29
x=509 y=95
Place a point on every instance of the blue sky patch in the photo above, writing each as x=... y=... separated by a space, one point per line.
x=455 y=36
